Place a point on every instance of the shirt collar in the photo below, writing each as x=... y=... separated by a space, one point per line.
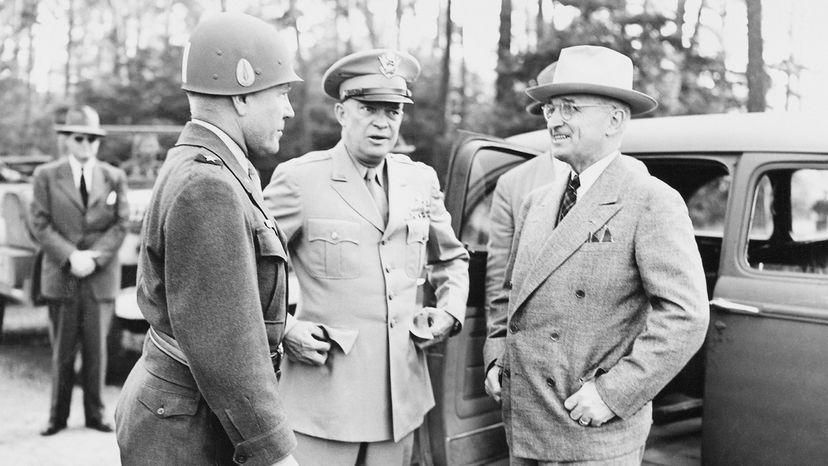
x=362 y=169
x=591 y=174
x=237 y=151
x=87 y=167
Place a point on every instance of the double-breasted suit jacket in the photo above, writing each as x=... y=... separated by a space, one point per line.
x=360 y=275
x=212 y=276
x=61 y=225
x=615 y=293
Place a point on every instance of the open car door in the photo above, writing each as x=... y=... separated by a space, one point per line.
x=465 y=428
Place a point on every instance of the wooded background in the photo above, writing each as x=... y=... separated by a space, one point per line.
x=123 y=58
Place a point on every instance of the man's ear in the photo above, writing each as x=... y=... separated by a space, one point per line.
x=617 y=121
x=240 y=104
x=339 y=112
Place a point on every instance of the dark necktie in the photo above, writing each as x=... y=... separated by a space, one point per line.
x=83 y=191
x=569 y=197
x=377 y=193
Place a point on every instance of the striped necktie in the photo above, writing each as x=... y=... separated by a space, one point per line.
x=570 y=197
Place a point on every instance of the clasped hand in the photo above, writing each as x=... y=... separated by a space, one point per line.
x=82 y=262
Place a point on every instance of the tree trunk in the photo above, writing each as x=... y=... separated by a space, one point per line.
x=503 y=83
x=399 y=14
x=70 y=42
x=540 y=25
x=756 y=78
x=445 y=75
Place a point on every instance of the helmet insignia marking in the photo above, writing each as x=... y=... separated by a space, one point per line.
x=244 y=73
x=388 y=64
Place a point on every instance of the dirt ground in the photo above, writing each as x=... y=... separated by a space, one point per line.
x=25 y=385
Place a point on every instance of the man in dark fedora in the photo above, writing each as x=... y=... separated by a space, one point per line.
x=79 y=210
x=363 y=226
x=605 y=293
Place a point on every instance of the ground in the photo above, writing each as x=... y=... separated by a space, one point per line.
x=24 y=403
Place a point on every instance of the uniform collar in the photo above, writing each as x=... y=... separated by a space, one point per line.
x=237 y=152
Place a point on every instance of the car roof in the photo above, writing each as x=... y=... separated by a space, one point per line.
x=732 y=132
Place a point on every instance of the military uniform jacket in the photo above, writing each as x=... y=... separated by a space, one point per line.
x=615 y=293
x=357 y=274
x=212 y=274
x=61 y=224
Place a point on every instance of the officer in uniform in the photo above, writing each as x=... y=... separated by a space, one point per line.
x=363 y=226
x=212 y=272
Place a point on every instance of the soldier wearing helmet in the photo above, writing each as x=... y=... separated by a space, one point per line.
x=363 y=223
x=212 y=274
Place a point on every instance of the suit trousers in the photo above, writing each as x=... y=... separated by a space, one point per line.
x=318 y=451
x=633 y=458
x=79 y=320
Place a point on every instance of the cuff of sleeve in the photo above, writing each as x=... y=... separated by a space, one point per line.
x=456 y=328
x=614 y=401
x=266 y=449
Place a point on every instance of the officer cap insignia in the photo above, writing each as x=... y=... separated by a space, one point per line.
x=208 y=158
x=244 y=73
x=388 y=64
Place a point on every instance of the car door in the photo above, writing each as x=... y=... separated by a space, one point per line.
x=766 y=380
x=465 y=428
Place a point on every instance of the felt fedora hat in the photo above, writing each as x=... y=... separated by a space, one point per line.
x=588 y=69
x=544 y=77
x=83 y=119
x=378 y=75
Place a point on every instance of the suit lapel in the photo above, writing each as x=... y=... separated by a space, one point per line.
x=66 y=183
x=345 y=180
x=100 y=185
x=598 y=206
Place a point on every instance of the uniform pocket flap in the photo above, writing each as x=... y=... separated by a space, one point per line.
x=164 y=403
x=417 y=230
x=269 y=244
x=333 y=231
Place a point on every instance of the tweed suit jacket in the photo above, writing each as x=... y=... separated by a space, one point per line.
x=213 y=276
x=61 y=224
x=616 y=294
x=359 y=275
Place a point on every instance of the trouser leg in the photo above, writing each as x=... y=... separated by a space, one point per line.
x=95 y=321
x=64 y=316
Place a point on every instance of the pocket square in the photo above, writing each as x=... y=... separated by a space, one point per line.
x=111 y=198
x=603 y=235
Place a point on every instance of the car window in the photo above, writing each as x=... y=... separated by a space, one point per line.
x=707 y=206
x=487 y=167
x=789 y=222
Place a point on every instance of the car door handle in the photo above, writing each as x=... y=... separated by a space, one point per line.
x=735 y=308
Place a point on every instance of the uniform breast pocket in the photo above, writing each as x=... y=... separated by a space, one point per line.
x=415 y=246
x=333 y=248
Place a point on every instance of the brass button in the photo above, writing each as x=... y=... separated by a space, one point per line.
x=580 y=294
x=160 y=411
x=334 y=235
x=555 y=336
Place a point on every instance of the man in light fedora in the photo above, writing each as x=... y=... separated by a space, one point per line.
x=364 y=224
x=605 y=293
x=79 y=211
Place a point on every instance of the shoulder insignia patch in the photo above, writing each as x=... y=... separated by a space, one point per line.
x=208 y=158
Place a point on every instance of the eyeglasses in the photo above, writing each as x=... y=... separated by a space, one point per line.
x=567 y=109
x=90 y=138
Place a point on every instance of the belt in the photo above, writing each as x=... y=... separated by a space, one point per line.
x=167 y=345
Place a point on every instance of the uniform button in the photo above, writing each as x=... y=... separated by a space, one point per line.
x=580 y=294
x=555 y=336
x=241 y=458
x=513 y=327
x=387 y=269
x=392 y=323
x=390 y=296
x=160 y=411
x=383 y=242
x=334 y=235
x=550 y=381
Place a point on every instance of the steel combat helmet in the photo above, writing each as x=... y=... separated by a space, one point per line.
x=233 y=54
